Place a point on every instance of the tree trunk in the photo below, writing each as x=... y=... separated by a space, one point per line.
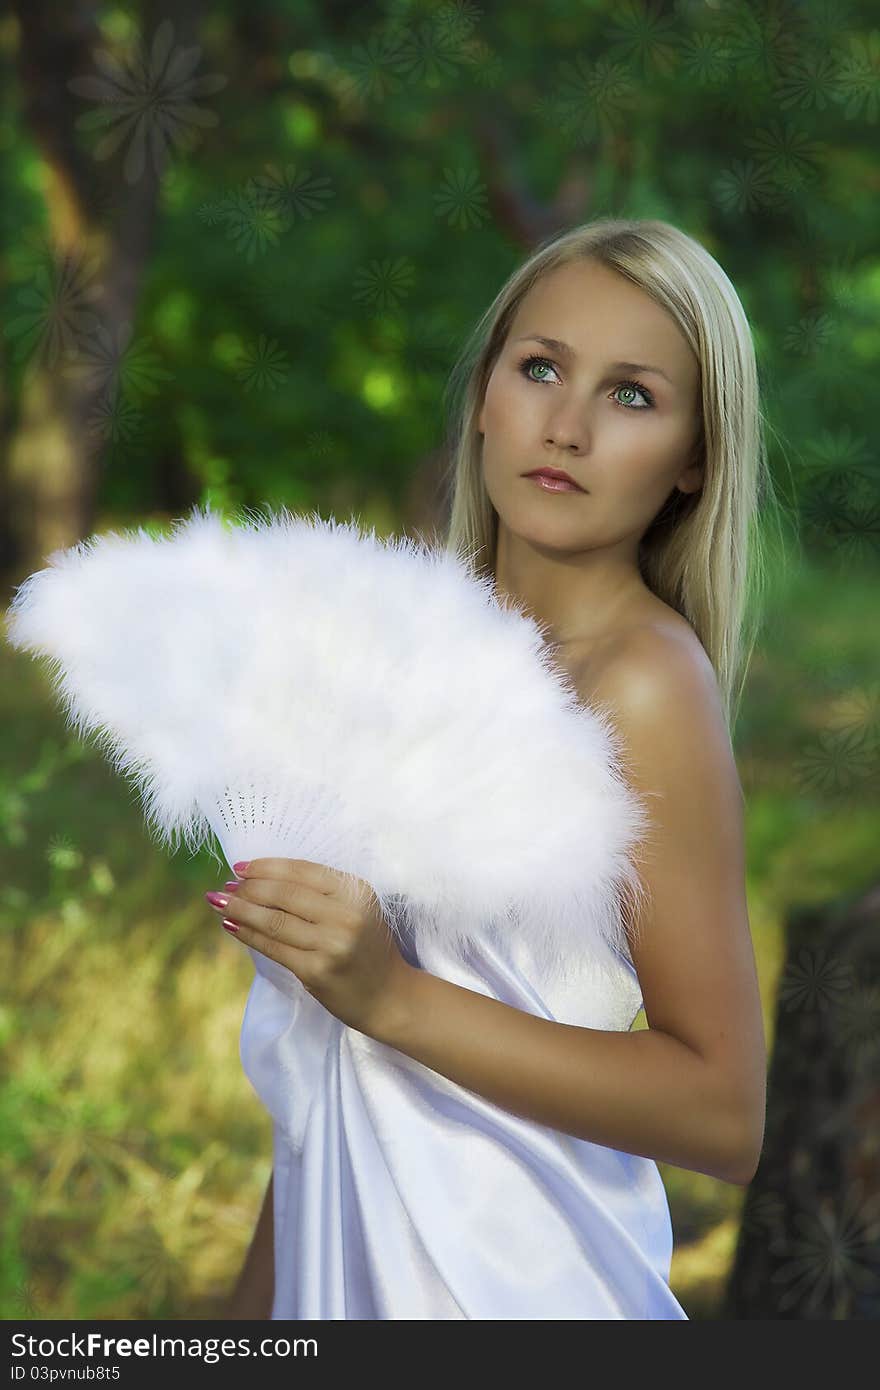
x=809 y=1244
x=81 y=299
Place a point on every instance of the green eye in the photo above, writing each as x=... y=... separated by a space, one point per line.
x=528 y=363
x=640 y=389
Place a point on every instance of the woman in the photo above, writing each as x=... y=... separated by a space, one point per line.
x=511 y=1172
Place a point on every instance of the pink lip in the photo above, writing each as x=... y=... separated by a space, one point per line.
x=551 y=483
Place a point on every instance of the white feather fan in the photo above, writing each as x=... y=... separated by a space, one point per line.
x=305 y=690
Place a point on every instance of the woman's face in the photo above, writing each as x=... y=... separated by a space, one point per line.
x=626 y=445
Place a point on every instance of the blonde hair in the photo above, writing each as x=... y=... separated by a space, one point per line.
x=701 y=554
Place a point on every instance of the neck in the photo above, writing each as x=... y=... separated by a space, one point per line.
x=571 y=601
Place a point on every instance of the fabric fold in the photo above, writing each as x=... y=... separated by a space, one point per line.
x=414 y=1198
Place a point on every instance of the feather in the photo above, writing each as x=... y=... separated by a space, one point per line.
x=300 y=688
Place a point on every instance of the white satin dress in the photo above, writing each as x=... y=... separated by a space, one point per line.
x=400 y=1194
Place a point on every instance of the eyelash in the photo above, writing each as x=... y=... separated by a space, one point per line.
x=526 y=363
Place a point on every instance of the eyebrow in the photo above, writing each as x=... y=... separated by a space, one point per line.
x=565 y=350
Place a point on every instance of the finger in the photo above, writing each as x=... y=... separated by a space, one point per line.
x=272 y=923
x=288 y=896
x=274 y=949
x=319 y=877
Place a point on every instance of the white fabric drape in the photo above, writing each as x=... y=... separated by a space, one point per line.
x=413 y=1198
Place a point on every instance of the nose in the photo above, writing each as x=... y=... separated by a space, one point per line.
x=565 y=440
x=567 y=431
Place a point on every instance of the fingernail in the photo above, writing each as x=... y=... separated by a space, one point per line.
x=232 y=885
x=217 y=899
x=241 y=866
x=229 y=926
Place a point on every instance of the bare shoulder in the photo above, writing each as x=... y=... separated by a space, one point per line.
x=656 y=678
x=659 y=689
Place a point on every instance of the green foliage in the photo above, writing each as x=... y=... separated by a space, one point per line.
x=345 y=188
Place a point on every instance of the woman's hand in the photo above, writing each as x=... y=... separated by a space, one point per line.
x=325 y=928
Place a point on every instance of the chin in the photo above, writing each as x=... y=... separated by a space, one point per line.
x=553 y=535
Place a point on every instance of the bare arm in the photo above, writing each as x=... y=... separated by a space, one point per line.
x=642 y=1092
x=255 y=1289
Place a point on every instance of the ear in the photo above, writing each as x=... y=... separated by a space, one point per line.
x=691 y=480
x=692 y=477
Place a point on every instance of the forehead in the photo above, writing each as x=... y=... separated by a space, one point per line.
x=605 y=318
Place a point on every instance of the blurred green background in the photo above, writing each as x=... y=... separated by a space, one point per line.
x=240 y=247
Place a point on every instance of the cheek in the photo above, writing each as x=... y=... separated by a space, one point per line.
x=510 y=413
x=640 y=485
x=493 y=413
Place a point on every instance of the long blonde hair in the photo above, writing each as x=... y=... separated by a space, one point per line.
x=702 y=553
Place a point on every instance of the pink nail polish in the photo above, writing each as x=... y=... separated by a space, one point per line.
x=229 y=926
x=232 y=885
x=217 y=899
